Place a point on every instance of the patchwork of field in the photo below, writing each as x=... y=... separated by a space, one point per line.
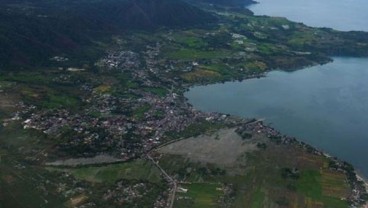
x=274 y=176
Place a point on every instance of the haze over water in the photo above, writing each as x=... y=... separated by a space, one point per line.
x=325 y=106
x=342 y=15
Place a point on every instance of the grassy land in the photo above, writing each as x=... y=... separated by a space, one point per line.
x=313 y=186
x=192 y=54
x=325 y=188
x=61 y=101
x=201 y=75
x=46 y=89
x=157 y=91
x=21 y=188
x=5 y=85
x=309 y=184
x=258 y=199
x=199 y=195
x=260 y=180
x=139 y=112
x=190 y=40
x=20 y=182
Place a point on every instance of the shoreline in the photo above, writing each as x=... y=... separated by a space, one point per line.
x=357 y=190
x=360 y=178
x=189 y=87
x=342 y=165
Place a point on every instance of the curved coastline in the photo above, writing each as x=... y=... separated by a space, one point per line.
x=358 y=181
x=359 y=175
x=355 y=179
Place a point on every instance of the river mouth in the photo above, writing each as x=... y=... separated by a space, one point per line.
x=325 y=106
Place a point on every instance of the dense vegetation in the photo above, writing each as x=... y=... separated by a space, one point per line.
x=33 y=32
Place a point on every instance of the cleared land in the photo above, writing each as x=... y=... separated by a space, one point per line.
x=6 y=101
x=223 y=147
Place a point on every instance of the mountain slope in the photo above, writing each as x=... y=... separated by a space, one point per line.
x=146 y=14
x=232 y=3
x=33 y=31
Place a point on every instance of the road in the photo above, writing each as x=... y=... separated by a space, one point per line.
x=169 y=179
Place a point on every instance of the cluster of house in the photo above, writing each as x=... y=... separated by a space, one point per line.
x=109 y=120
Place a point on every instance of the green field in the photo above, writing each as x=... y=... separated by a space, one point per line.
x=312 y=184
x=20 y=182
x=262 y=181
x=139 y=112
x=5 y=85
x=258 y=199
x=191 y=54
x=157 y=91
x=199 y=195
x=190 y=40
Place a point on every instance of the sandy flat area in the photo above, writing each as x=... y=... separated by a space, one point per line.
x=224 y=147
x=6 y=101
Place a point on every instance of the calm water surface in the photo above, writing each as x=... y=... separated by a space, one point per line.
x=338 y=14
x=326 y=106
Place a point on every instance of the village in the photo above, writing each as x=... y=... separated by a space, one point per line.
x=158 y=113
x=129 y=127
x=133 y=102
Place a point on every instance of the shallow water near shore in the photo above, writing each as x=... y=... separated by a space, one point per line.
x=325 y=106
x=342 y=15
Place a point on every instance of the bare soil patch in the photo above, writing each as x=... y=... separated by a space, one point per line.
x=6 y=102
x=75 y=201
x=223 y=147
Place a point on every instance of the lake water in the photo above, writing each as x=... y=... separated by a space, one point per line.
x=325 y=106
x=342 y=15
